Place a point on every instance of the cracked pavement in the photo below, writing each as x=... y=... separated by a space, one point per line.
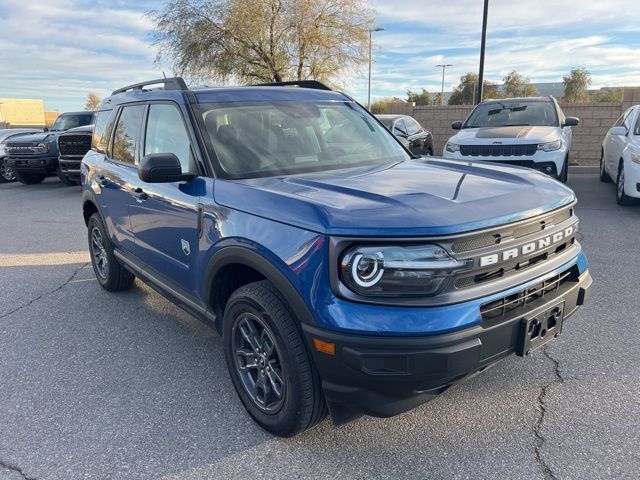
x=125 y=386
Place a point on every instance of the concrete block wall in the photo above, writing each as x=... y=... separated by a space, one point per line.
x=595 y=121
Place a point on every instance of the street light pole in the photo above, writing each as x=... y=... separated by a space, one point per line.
x=442 y=91
x=482 y=49
x=371 y=30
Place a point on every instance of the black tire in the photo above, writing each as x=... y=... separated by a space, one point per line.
x=7 y=174
x=427 y=152
x=564 y=173
x=279 y=346
x=29 y=178
x=621 y=197
x=111 y=275
x=64 y=179
x=604 y=176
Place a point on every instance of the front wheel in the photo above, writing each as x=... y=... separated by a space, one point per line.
x=621 y=197
x=268 y=362
x=111 y=275
x=6 y=172
x=29 y=178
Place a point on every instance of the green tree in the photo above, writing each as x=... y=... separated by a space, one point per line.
x=576 y=85
x=607 y=94
x=465 y=92
x=93 y=102
x=379 y=106
x=517 y=85
x=263 y=40
x=422 y=98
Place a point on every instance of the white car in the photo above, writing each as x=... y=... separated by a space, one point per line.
x=529 y=132
x=620 y=156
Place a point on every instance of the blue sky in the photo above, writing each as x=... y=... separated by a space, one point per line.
x=60 y=50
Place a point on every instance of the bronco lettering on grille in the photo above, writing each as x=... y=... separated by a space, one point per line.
x=527 y=248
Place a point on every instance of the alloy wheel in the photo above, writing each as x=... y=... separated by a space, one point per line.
x=6 y=171
x=257 y=362
x=99 y=253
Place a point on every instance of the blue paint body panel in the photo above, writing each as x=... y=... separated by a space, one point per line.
x=289 y=220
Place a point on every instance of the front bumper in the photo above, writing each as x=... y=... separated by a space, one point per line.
x=550 y=163
x=36 y=165
x=383 y=375
x=70 y=167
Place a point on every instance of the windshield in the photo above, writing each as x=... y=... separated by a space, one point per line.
x=505 y=114
x=283 y=138
x=71 y=120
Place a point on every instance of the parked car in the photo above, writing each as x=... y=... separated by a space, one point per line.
x=340 y=272
x=72 y=146
x=6 y=172
x=529 y=132
x=410 y=133
x=34 y=157
x=620 y=156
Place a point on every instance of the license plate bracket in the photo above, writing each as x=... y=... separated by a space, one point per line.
x=536 y=329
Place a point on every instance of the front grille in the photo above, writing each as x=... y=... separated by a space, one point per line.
x=500 y=235
x=19 y=150
x=498 y=150
x=516 y=304
x=74 y=145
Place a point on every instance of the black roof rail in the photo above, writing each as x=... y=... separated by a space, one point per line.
x=173 y=83
x=315 y=84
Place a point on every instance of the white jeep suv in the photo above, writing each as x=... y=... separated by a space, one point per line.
x=529 y=132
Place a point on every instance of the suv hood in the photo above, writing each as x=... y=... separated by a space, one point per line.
x=411 y=198
x=34 y=138
x=505 y=135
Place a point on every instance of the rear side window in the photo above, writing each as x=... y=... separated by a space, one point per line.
x=102 y=130
x=126 y=134
x=166 y=133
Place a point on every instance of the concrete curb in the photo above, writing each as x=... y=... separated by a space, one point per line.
x=584 y=169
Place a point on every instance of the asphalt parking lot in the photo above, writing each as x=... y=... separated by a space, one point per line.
x=113 y=386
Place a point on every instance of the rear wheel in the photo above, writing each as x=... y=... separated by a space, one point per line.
x=604 y=176
x=6 y=172
x=29 y=178
x=64 y=179
x=111 y=275
x=269 y=364
x=621 y=197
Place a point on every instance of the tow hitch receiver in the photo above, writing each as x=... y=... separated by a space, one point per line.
x=539 y=328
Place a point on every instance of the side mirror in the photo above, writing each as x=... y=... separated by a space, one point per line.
x=456 y=125
x=162 y=168
x=618 y=131
x=571 y=122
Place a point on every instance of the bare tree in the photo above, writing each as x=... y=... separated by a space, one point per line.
x=263 y=40
x=93 y=101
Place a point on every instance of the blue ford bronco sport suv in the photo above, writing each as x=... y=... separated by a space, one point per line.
x=343 y=274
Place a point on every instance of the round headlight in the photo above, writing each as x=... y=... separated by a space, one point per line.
x=366 y=269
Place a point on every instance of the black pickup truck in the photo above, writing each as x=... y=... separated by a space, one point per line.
x=72 y=145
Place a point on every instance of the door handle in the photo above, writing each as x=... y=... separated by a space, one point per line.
x=139 y=194
x=103 y=181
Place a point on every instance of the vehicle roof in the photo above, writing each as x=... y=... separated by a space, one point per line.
x=518 y=99
x=83 y=128
x=243 y=94
x=390 y=116
x=76 y=113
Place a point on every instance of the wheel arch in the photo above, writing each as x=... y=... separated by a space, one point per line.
x=232 y=267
